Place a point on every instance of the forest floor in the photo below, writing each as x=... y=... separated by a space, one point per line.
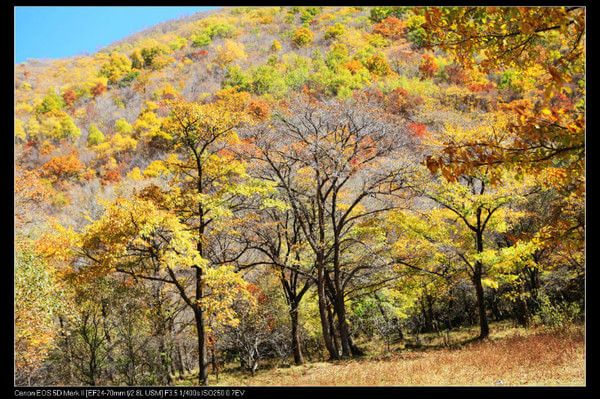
x=510 y=356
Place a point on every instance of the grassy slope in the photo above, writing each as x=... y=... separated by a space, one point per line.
x=512 y=356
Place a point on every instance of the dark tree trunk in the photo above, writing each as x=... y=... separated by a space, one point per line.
x=329 y=345
x=484 y=329
x=339 y=304
x=449 y=313
x=323 y=307
x=399 y=329
x=523 y=314
x=332 y=329
x=199 y=316
x=532 y=276
x=356 y=351
x=340 y=310
x=296 y=344
x=428 y=323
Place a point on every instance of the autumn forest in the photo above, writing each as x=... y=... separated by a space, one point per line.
x=306 y=196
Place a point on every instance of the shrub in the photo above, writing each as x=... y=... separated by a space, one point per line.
x=178 y=43
x=111 y=172
x=289 y=18
x=117 y=145
x=198 y=55
x=149 y=53
x=276 y=46
x=119 y=102
x=416 y=32
x=414 y=86
x=221 y=30
x=508 y=80
x=418 y=37
x=559 y=314
x=481 y=86
x=58 y=126
x=297 y=70
x=38 y=299
x=69 y=129
x=228 y=52
x=302 y=37
x=337 y=54
x=20 y=134
x=201 y=39
x=400 y=102
x=428 y=66
x=353 y=66
x=127 y=79
x=259 y=109
x=334 y=31
x=161 y=61
x=339 y=82
x=117 y=66
x=33 y=127
x=123 y=127
x=208 y=34
x=378 y=65
x=391 y=27
x=137 y=61
x=65 y=167
x=235 y=77
x=51 y=102
x=376 y=40
x=168 y=92
x=417 y=129
x=69 y=97
x=147 y=125
x=455 y=74
x=98 y=89
x=380 y=13
x=267 y=79
x=308 y=14
x=396 y=101
x=365 y=53
x=95 y=136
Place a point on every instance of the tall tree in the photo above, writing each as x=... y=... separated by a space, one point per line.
x=457 y=234
x=209 y=185
x=335 y=163
x=279 y=243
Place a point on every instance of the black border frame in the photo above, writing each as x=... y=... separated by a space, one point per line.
x=7 y=347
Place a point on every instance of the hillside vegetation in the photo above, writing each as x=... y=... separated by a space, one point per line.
x=271 y=186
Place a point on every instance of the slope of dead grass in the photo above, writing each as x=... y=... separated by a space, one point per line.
x=513 y=357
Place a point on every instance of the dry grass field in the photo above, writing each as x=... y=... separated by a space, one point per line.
x=512 y=356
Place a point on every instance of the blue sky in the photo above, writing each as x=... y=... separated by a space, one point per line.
x=56 y=32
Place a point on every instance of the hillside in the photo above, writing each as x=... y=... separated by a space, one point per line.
x=287 y=184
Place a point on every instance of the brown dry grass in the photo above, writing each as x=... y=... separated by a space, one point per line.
x=514 y=357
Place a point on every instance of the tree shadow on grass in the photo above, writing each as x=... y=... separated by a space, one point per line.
x=459 y=344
